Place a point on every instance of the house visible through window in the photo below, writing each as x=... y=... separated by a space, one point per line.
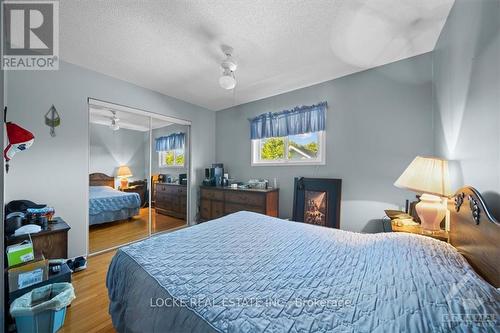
x=171 y=158
x=294 y=136
x=295 y=149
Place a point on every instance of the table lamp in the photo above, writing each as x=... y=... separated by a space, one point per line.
x=123 y=173
x=430 y=177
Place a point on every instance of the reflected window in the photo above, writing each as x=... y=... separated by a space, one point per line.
x=171 y=158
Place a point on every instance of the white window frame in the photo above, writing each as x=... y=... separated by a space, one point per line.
x=161 y=158
x=320 y=160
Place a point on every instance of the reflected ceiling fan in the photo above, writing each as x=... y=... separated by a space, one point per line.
x=114 y=122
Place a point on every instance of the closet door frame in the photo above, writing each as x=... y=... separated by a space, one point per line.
x=151 y=115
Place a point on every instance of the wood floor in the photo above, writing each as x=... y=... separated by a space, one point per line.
x=89 y=311
x=108 y=235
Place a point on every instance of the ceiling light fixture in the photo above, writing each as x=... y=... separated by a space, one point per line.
x=228 y=65
x=114 y=122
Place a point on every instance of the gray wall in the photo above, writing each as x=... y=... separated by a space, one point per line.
x=164 y=131
x=55 y=170
x=2 y=295
x=377 y=122
x=467 y=96
x=110 y=149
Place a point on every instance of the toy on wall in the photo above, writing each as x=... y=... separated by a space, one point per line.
x=52 y=119
x=19 y=140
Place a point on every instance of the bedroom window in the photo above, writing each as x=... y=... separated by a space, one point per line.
x=305 y=148
x=170 y=148
x=171 y=158
x=290 y=137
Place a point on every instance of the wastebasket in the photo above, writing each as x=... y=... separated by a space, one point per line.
x=42 y=309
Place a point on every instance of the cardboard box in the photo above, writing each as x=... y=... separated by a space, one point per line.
x=28 y=274
x=20 y=253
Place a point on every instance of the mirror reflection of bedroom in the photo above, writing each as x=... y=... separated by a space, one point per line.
x=169 y=176
x=137 y=175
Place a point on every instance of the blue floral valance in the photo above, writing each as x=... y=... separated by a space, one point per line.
x=170 y=142
x=300 y=120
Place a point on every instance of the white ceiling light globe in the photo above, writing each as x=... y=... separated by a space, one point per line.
x=114 y=125
x=227 y=82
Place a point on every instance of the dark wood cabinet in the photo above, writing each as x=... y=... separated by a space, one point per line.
x=171 y=199
x=219 y=201
x=52 y=242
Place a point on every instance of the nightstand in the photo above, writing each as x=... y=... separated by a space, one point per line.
x=442 y=235
x=52 y=242
x=139 y=189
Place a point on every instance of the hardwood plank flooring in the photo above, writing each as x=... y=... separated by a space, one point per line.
x=89 y=310
x=108 y=235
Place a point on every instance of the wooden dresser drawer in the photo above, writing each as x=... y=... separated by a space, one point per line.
x=220 y=201
x=174 y=189
x=233 y=208
x=252 y=199
x=161 y=187
x=170 y=199
x=205 y=211
x=212 y=194
x=217 y=209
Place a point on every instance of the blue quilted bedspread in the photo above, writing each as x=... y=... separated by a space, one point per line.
x=105 y=199
x=251 y=273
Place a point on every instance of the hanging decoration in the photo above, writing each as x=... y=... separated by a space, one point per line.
x=52 y=119
x=19 y=139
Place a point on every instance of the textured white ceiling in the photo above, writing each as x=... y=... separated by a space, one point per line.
x=174 y=46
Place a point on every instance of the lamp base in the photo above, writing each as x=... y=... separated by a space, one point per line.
x=431 y=212
x=123 y=183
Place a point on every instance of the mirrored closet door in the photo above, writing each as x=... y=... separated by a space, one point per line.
x=138 y=175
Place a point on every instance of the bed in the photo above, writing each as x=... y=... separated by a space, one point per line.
x=248 y=272
x=107 y=204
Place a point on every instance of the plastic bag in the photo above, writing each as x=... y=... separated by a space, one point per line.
x=50 y=297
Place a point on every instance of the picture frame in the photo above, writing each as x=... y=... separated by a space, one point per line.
x=317 y=201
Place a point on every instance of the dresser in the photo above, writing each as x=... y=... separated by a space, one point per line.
x=171 y=199
x=219 y=201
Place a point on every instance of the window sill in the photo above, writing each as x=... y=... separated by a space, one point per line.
x=172 y=167
x=315 y=163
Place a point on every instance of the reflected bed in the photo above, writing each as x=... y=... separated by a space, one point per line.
x=107 y=204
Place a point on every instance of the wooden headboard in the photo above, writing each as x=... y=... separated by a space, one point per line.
x=475 y=233
x=100 y=179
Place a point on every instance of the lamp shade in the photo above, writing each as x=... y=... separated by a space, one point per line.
x=426 y=175
x=124 y=172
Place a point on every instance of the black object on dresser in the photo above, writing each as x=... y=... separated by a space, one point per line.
x=219 y=201
x=171 y=199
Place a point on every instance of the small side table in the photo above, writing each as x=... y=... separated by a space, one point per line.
x=52 y=242
x=442 y=235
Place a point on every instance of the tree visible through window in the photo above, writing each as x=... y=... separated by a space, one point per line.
x=171 y=158
x=302 y=148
